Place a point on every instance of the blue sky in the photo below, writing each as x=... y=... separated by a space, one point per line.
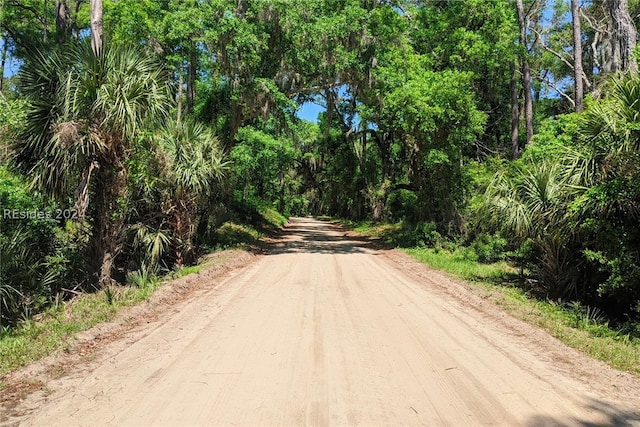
x=309 y=111
x=12 y=66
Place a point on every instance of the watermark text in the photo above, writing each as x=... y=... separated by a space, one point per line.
x=32 y=214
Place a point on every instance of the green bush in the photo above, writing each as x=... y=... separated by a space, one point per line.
x=427 y=235
x=32 y=249
x=402 y=205
x=489 y=248
x=12 y=116
x=298 y=206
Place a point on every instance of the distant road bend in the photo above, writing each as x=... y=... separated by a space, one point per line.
x=328 y=330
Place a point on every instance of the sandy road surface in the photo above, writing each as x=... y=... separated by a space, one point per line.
x=327 y=331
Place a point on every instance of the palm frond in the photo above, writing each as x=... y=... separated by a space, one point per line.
x=195 y=161
x=80 y=105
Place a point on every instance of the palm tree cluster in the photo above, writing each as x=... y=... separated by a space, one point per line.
x=579 y=212
x=98 y=138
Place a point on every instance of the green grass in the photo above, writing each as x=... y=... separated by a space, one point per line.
x=576 y=329
x=377 y=230
x=272 y=218
x=457 y=264
x=231 y=234
x=184 y=271
x=56 y=328
x=234 y=234
x=577 y=326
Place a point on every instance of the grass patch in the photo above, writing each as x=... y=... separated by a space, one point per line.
x=576 y=327
x=55 y=329
x=371 y=229
x=458 y=264
x=231 y=234
x=272 y=218
x=185 y=271
x=245 y=223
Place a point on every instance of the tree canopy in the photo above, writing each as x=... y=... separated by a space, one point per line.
x=460 y=119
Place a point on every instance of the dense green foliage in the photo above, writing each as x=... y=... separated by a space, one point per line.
x=186 y=120
x=573 y=201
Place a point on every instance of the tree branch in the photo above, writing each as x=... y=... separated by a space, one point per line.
x=597 y=31
x=559 y=56
x=556 y=88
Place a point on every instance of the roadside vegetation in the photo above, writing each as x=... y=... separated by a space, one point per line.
x=498 y=278
x=55 y=328
x=496 y=144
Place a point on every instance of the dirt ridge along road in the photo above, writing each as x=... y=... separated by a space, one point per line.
x=328 y=330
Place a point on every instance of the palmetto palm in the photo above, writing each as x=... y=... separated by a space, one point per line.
x=526 y=203
x=609 y=168
x=193 y=165
x=614 y=122
x=84 y=111
x=610 y=151
x=531 y=205
x=610 y=133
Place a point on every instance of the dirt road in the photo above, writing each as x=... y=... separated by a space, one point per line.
x=327 y=330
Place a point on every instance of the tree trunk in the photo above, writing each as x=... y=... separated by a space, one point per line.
x=63 y=23
x=624 y=36
x=191 y=78
x=378 y=210
x=515 y=113
x=282 y=192
x=379 y=201
x=577 y=56
x=75 y=31
x=241 y=9
x=96 y=26
x=109 y=219
x=184 y=223
x=3 y=61
x=526 y=72
x=45 y=30
x=180 y=84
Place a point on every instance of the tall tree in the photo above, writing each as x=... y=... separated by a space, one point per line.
x=96 y=26
x=63 y=21
x=526 y=71
x=515 y=113
x=624 y=37
x=577 y=55
x=85 y=110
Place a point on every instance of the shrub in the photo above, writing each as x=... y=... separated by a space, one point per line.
x=489 y=248
x=427 y=235
x=31 y=259
x=402 y=205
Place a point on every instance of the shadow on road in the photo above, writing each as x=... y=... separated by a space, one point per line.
x=615 y=417
x=305 y=235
